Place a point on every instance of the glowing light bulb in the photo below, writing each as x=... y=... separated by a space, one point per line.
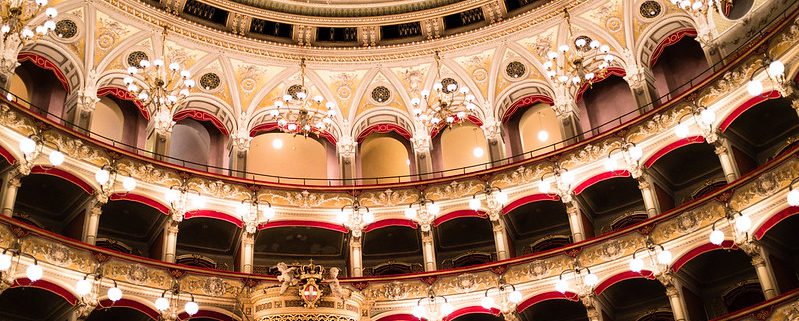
x=83 y=287
x=515 y=297
x=269 y=213
x=636 y=265
x=591 y=280
x=5 y=262
x=56 y=158
x=561 y=286
x=368 y=218
x=664 y=257
x=27 y=146
x=191 y=308
x=754 y=87
x=162 y=304
x=433 y=209
x=681 y=130
x=543 y=135
x=478 y=152
x=34 y=272
x=410 y=213
x=793 y=197
x=129 y=183
x=743 y=224
x=102 y=176
x=487 y=303
x=277 y=143
x=418 y=312
x=114 y=294
x=716 y=237
x=475 y=204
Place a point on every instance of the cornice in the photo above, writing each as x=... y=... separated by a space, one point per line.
x=351 y=15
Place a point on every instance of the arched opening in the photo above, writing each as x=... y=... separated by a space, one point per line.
x=50 y=95
x=782 y=246
x=612 y=204
x=464 y=241
x=208 y=243
x=478 y=317
x=534 y=130
x=63 y=212
x=634 y=299
x=384 y=154
x=196 y=144
x=538 y=226
x=555 y=310
x=298 y=244
x=460 y=146
x=33 y=304
x=288 y=155
x=605 y=105
x=18 y=87
x=131 y=227
x=117 y=121
x=718 y=282
x=392 y=250
x=678 y=64
x=676 y=183
x=118 y=313
x=763 y=132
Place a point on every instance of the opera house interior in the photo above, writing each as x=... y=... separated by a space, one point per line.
x=399 y=160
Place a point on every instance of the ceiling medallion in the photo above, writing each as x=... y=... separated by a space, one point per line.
x=515 y=69
x=447 y=102
x=66 y=29
x=381 y=94
x=579 y=63
x=136 y=57
x=650 y=9
x=296 y=114
x=209 y=81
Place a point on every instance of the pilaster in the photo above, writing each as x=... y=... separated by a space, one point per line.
x=428 y=251
x=356 y=257
x=247 y=252
x=10 y=196
x=170 y=241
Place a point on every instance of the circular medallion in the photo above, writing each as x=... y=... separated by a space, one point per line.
x=209 y=81
x=66 y=29
x=515 y=69
x=650 y=9
x=446 y=82
x=381 y=94
x=135 y=58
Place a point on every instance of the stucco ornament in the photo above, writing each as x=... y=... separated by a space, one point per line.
x=10 y=46
x=346 y=147
x=241 y=137
x=287 y=277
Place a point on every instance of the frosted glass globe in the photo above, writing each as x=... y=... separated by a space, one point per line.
x=161 y=304
x=56 y=158
x=515 y=297
x=129 y=183
x=102 y=176
x=5 y=262
x=793 y=197
x=34 y=272
x=27 y=145
x=114 y=294
x=83 y=287
x=716 y=237
x=636 y=265
x=743 y=224
x=754 y=87
x=681 y=130
x=664 y=257
x=543 y=135
x=561 y=286
x=191 y=308
x=487 y=303
x=591 y=279
x=475 y=204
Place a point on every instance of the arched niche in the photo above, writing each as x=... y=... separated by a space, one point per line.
x=678 y=60
x=384 y=154
x=532 y=124
x=50 y=94
x=605 y=105
x=457 y=147
x=117 y=121
x=282 y=154
x=392 y=250
x=19 y=87
x=782 y=246
x=195 y=144
x=538 y=226
x=32 y=304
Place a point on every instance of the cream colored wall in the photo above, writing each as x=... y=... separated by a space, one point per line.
x=534 y=119
x=18 y=88
x=383 y=156
x=107 y=120
x=298 y=157
x=458 y=144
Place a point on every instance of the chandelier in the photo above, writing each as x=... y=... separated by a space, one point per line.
x=494 y=196
x=446 y=102
x=563 y=179
x=251 y=212
x=699 y=7
x=296 y=114
x=355 y=217
x=423 y=211
x=509 y=299
x=182 y=199
x=88 y=290
x=107 y=176
x=577 y=63
x=433 y=307
x=775 y=70
x=582 y=282
x=653 y=256
x=31 y=147
x=15 y=32
x=162 y=87
x=167 y=303
x=9 y=262
x=740 y=223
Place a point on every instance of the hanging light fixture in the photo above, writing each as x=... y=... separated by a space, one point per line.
x=433 y=307
x=423 y=211
x=355 y=217
x=169 y=300
x=494 y=196
x=509 y=298
x=564 y=181
x=654 y=257
x=447 y=102
x=161 y=86
x=775 y=70
x=582 y=282
x=298 y=115
x=107 y=177
x=700 y=7
x=578 y=63
x=31 y=148
x=10 y=260
x=16 y=29
x=253 y=213
x=542 y=135
x=703 y=117
x=630 y=153
x=182 y=199
x=740 y=223
x=89 y=288
x=793 y=194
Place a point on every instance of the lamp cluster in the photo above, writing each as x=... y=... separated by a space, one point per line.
x=297 y=114
x=579 y=63
x=447 y=102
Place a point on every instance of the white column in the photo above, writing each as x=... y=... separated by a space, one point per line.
x=641 y=81
x=500 y=237
x=767 y=281
x=592 y=307
x=566 y=111
x=575 y=221
x=492 y=130
x=170 y=241
x=727 y=164
x=648 y=194
x=421 y=148
x=10 y=196
x=91 y=221
x=247 y=252
x=356 y=257
x=346 y=148
x=428 y=251
x=675 y=298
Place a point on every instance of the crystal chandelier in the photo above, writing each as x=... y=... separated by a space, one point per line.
x=296 y=114
x=167 y=303
x=162 y=87
x=582 y=284
x=509 y=299
x=423 y=211
x=433 y=307
x=15 y=32
x=740 y=223
x=446 y=102
x=656 y=258
x=355 y=217
x=577 y=63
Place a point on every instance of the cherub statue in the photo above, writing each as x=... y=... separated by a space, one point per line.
x=286 y=277
x=335 y=287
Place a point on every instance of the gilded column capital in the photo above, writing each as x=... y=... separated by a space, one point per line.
x=172 y=226
x=347 y=147
x=15 y=181
x=755 y=252
x=421 y=143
